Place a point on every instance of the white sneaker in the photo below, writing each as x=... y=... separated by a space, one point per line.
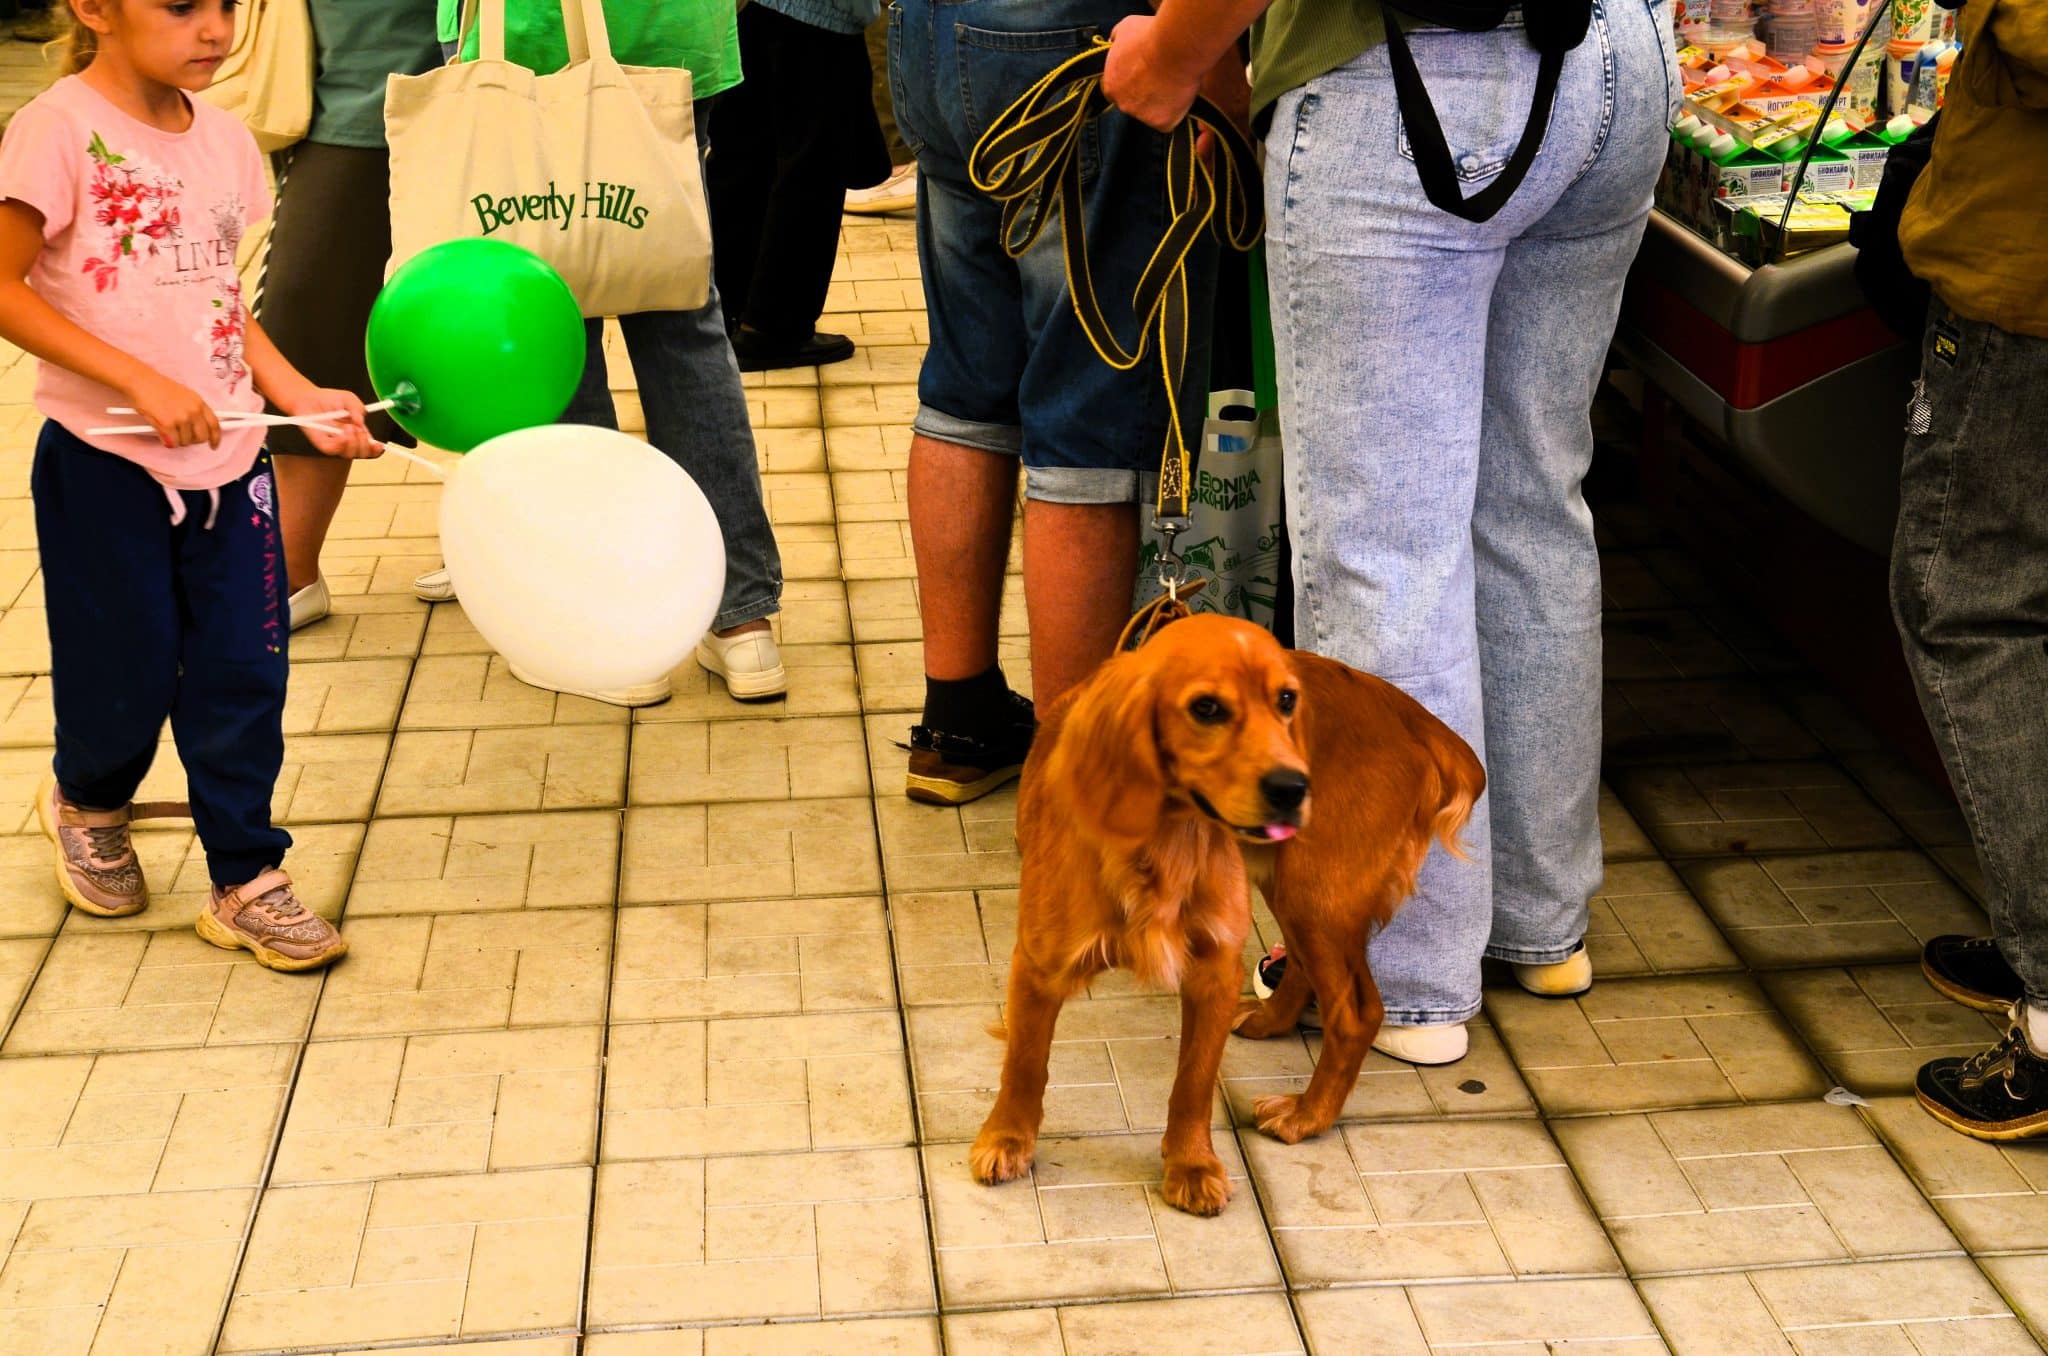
x=1567 y=978
x=1424 y=1044
x=646 y=694
x=750 y=663
x=897 y=193
x=434 y=587
x=310 y=604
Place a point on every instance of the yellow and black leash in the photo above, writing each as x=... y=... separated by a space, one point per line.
x=1030 y=161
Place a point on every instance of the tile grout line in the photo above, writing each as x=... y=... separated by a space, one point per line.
x=581 y=1323
x=305 y=1040
x=860 y=696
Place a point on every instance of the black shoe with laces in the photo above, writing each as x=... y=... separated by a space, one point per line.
x=950 y=769
x=2001 y=1094
x=1972 y=971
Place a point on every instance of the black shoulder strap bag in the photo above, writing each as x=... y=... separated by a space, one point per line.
x=1899 y=298
x=1554 y=28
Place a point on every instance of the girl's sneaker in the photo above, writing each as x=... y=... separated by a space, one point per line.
x=96 y=865
x=264 y=917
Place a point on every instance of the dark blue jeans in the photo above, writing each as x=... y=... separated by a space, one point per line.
x=697 y=415
x=152 y=620
x=1009 y=369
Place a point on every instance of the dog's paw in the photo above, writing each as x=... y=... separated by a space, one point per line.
x=1197 y=1188
x=1001 y=1156
x=1255 y=1021
x=1281 y=1117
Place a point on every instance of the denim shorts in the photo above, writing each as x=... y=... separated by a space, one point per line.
x=1009 y=369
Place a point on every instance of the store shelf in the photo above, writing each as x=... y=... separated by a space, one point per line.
x=1785 y=365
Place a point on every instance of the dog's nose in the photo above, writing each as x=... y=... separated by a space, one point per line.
x=1284 y=788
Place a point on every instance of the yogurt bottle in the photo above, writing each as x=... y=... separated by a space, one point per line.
x=1912 y=21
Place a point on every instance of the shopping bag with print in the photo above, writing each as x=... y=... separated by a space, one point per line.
x=594 y=167
x=266 y=78
x=1235 y=519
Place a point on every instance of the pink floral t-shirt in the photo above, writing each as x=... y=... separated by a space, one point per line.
x=140 y=228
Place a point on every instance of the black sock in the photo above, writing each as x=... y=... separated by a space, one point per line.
x=968 y=707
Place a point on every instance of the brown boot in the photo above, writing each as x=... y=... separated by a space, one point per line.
x=96 y=865
x=265 y=918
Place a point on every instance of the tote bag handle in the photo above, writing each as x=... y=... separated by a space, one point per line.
x=583 y=28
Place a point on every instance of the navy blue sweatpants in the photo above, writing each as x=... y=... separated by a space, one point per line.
x=149 y=620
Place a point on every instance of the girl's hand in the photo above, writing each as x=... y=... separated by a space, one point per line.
x=351 y=438
x=180 y=416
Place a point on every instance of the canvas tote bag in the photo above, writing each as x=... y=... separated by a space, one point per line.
x=594 y=168
x=266 y=79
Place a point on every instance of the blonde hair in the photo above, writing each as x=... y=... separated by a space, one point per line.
x=76 y=49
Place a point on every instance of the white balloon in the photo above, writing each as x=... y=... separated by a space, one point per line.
x=582 y=555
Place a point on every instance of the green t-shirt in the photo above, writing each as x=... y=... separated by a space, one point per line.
x=1298 y=40
x=702 y=36
x=358 y=44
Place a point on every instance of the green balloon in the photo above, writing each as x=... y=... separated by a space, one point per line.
x=474 y=338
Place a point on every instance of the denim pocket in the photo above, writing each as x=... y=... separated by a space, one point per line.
x=899 y=97
x=1481 y=86
x=1674 y=83
x=996 y=68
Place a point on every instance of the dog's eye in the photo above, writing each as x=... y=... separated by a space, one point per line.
x=1208 y=711
x=1285 y=702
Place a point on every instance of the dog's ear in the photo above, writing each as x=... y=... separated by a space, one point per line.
x=1105 y=763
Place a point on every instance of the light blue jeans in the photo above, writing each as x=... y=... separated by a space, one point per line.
x=1436 y=379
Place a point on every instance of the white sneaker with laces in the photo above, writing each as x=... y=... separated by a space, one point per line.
x=310 y=604
x=434 y=587
x=897 y=193
x=750 y=663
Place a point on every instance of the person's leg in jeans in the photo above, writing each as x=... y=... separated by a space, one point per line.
x=1379 y=327
x=229 y=716
x=1387 y=316
x=1968 y=565
x=1538 y=580
x=697 y=414
x=1537 y=571
x=229 y=721
x=103 y=535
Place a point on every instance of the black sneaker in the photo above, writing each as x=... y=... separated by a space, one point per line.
x=947 y=769
x=1972 y=971
x=757 y=353
x=1266 y=978
x=2001 y=1094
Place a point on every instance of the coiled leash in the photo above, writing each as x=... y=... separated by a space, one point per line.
x=1030 y=161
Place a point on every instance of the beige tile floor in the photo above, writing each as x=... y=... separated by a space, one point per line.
x=664 y=1033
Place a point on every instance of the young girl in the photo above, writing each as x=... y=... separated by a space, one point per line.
x=121 y=204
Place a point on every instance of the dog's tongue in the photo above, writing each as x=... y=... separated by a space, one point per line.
x=1279 y=833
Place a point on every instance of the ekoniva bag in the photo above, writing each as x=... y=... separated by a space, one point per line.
x=266 y=79
x=1236 y=519
x=594 y=168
